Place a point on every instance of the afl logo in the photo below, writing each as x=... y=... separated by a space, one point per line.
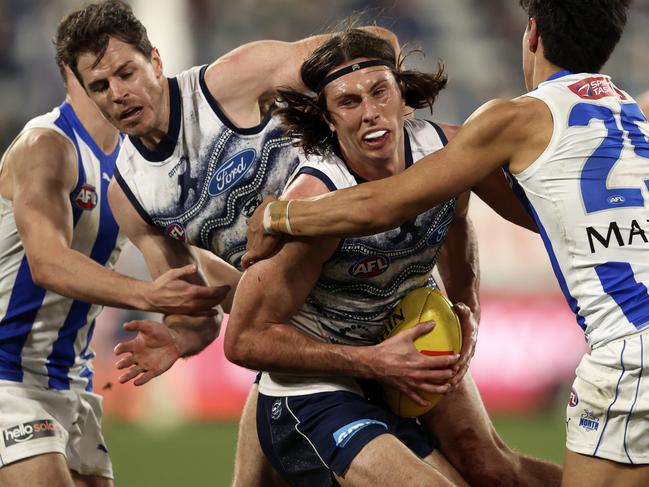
x=370 y=266
x=175 y=230
x=86 y=198
x=231 y=171
x=574 y=398
x=616 y=200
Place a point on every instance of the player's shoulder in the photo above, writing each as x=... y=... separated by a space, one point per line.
x=44 y=141
x=510 y=117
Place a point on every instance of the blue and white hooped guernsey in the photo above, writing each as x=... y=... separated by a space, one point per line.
x=206 y=177
x=366 y=277
x=589 y=194
x=45 y=337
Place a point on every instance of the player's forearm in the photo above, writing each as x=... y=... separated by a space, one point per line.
x=193 y=334
x=459 y=265
x=281 y=348
x=74 y=275
x=364 y=209
x=360 y=210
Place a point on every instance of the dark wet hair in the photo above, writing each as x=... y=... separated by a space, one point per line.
x=578 y=35
x=88 y=31
x=304 y=115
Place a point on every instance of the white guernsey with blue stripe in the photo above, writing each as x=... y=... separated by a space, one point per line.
x=589 y=194
x=45 y=337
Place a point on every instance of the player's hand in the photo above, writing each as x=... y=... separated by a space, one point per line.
x=397 y=363
x=259 y=244
x=152 y=352
x=172 y=294
x=469 y=325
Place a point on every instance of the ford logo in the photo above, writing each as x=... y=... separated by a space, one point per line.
x=231 y=171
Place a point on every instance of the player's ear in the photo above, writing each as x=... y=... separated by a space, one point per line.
x=532 y=35
x=327 y=118
x=156 y=61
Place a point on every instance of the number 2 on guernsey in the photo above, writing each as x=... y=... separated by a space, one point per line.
x=595 y=194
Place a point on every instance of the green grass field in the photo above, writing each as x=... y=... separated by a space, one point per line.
x=202 y=454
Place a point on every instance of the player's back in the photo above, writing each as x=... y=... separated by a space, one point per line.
x=44 y=337
x=589 y=193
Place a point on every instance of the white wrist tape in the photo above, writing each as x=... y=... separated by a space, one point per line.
x=289 y=230
x=267 y=222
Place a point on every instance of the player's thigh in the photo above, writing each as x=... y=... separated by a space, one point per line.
x=608 y=413
x=387 y=461
x=47 y=470
x=87 y=453
x=586 y=471
x=91 y=480
x=251 y=467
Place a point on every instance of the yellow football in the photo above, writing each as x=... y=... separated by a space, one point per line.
x=419 y=305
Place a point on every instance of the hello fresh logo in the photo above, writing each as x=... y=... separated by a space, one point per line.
x=231 y=171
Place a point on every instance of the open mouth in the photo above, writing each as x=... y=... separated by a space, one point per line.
x=376 y=136
x=131 y=113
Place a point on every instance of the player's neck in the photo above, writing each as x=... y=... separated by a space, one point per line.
x=161 y=128
x=378 y=168
x=102 y=132
x=543 y=69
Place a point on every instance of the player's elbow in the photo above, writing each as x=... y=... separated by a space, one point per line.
x=42 y=271
x=238 y=350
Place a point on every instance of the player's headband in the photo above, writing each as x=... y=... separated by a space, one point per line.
x=350 y=69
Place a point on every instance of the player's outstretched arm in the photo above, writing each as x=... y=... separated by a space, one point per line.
x=43 y=166
x=187 y=335
x=254 y=72
x=485 y=142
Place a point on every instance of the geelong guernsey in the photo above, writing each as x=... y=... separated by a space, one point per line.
x=45 y=337
x=366 y=277
x=589 y=194
x=206 y=176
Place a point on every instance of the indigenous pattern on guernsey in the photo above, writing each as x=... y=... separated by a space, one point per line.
x=366 y=277
x=589 y=194
x=206 y=177
x=45 y=337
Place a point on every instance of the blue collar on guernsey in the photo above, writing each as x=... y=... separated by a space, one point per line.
x=560 y=74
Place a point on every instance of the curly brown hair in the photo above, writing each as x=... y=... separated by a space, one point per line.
x=89 y=30
x=304 y=115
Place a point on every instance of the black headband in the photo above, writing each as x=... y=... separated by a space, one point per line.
x=349 y=69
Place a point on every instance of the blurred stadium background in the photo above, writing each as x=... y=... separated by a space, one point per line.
x=181 y=428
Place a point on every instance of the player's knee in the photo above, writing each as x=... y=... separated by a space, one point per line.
x=500 y=468
x=491 y=463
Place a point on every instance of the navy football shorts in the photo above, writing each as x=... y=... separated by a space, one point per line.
x=306 y=438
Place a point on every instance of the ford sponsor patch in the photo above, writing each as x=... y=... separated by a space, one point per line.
x=231 y=171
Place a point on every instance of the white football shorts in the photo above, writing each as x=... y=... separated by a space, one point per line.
x=35 y=421
x=608 y=411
